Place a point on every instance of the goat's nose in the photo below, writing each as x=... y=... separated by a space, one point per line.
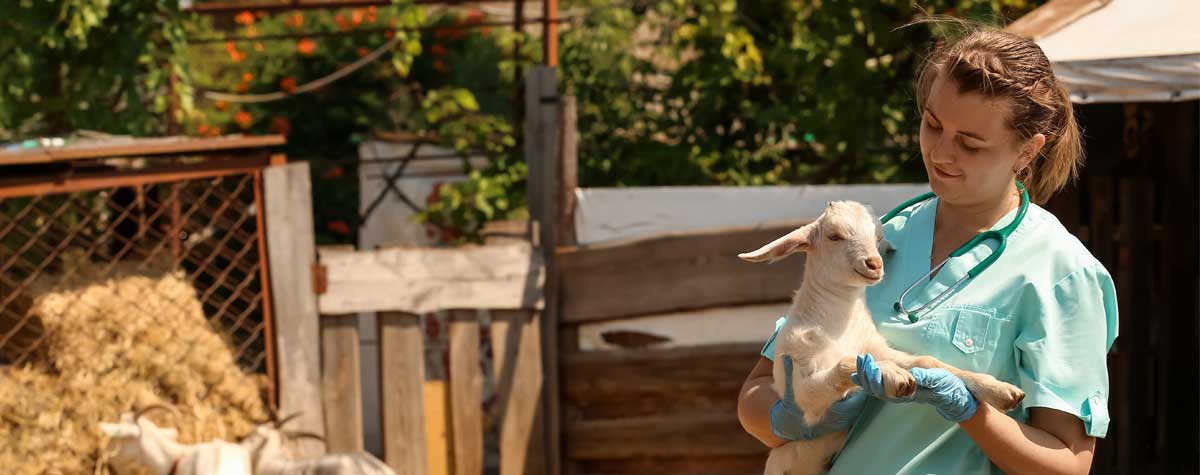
x=874 y=263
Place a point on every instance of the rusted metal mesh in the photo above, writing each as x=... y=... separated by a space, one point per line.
x=206 y=228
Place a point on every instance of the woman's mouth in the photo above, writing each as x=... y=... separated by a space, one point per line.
x=944 y=174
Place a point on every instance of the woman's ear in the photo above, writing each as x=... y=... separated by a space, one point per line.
x=1030 y=151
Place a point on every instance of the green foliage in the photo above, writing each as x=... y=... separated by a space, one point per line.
x=751 y=93
x=88 y=64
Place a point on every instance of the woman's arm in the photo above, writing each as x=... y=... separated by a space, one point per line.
x=755 y=401
x=1053 y=441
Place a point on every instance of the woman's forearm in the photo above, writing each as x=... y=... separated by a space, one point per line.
x=1022 y=448
x=754 y=409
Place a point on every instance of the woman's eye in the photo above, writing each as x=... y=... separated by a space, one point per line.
x=971 y=150
x=835 y=237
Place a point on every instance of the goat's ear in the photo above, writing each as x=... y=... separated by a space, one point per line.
x=886 y=247
x=116 y=430
x=795 y=241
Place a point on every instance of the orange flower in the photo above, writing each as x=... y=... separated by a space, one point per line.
x=258 y=47
x=222 y=105
x=296 y=20
x=288 y=84
x=357 y=16
x=202 y=129
x=234 y=54
x=440 y=66
x=242 y=87
x=251 y=31
x=243 y=119
x=363 y=51
x=306 y=46
x=244 y=18
x=389 y=34
x=341 y=21
x=247 y=77
x=215 y=131
x=371 y=10
x=280 y=125
x=437 y=49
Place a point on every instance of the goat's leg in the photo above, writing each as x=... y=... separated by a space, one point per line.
x=985 y=387
x=897 y=381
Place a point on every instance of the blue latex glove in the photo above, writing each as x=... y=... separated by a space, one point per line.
x=935 y=386
x=787 y=418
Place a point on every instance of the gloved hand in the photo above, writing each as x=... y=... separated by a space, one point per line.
x=787 y=418
x=935 y=386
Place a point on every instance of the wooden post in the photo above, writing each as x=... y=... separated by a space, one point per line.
x=340 y=383
x=517 y=363
x=401 y=383
x=291 y=253
x=541 y=153
x=466 y=393
x=550 y=32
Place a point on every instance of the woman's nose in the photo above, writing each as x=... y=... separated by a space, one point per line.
x=940 y=152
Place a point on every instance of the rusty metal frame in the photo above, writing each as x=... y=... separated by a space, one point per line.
x=75 y=179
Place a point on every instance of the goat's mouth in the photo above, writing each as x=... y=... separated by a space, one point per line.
x=871 y=276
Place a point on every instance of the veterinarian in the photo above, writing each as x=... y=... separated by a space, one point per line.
x=1042 y=315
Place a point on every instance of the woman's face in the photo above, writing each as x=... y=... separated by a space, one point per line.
x=968 y=149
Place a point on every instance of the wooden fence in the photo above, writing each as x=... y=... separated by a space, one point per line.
x=670 y=410
x=403 y=283
x=1136 y=208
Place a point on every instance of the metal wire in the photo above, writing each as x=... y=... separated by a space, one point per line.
x=207 y=228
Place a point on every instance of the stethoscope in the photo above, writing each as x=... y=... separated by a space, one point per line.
x=1001 y=236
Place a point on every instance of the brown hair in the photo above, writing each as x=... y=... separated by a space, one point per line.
x=1004 y=66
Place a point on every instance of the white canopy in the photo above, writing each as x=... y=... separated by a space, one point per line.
x=1120 y=50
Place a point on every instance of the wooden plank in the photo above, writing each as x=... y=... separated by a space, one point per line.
x=466 y=393
x=290 y=254
x=568 y=171
x=691 y=465
x=419 y=280
x=1052 y=16
x=340 y=383
x=437 y=428
x=675 y=435
x=543 y=159
x=605 y=384
x=401 y=387
x=138 y=147
x=517 y=364
x=674 y=272
x=1180 y=142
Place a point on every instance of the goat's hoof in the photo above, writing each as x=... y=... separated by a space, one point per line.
x=1001 y=395
x=897 y=381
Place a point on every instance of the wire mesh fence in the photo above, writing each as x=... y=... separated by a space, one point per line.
x=205 y=230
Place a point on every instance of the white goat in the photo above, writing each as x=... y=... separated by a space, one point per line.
x=138 y=446
x=265 y=445
x=828 y=325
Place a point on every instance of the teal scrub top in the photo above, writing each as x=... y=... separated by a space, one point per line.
x=1042 y=317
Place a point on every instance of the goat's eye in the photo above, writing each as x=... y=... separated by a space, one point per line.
x=835 y=237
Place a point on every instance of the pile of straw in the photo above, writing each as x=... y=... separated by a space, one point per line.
x=118 y=342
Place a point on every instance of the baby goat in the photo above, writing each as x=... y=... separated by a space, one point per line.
x=265 y=445
x=139 y=446
x=828 y=325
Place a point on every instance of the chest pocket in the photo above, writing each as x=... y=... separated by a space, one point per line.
x=966 y=336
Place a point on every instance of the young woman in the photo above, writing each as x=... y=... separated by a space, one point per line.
x=1043 y=315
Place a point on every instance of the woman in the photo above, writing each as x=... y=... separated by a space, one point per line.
x=1042 y=316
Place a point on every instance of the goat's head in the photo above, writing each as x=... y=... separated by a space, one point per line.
x=266 y=442
x=843 y=245
x=137 y=444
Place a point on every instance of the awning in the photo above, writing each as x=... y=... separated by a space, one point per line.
x=1120 y=50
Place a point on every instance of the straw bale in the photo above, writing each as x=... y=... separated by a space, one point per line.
x=119 y=340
